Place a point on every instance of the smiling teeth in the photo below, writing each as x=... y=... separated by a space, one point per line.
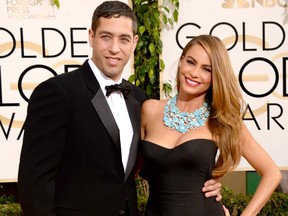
x=113 y=60
x=191 y=82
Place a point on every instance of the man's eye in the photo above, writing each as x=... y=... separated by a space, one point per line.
x=126 y=40
x=105 y=36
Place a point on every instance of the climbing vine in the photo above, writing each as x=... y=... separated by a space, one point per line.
x=148 y=65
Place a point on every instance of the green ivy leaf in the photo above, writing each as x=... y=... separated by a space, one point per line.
x=57 y=3
x=132 y=78
x=162 y=65
x=141 y=30
x=147 y=56
x=152 y=48
x=175 y=15
x=151 y=73
x=167 y=89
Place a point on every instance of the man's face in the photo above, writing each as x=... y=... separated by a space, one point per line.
x=113 y=43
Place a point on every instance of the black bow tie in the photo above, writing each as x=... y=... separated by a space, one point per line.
x=125 y=89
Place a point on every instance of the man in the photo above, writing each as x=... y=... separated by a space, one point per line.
x=80 y=140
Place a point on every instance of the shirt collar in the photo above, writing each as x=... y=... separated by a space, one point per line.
x=102 y=78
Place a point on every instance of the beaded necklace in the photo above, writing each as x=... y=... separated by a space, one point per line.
x=184 y=121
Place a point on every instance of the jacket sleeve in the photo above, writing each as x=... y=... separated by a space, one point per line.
x=43 y=145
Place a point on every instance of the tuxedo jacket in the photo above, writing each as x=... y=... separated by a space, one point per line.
x=70 y=162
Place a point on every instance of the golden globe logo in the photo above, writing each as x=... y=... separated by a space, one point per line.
x=31 y=9
x=254 y=3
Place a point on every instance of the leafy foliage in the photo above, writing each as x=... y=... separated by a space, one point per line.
x=142 y=194
x=277 y=205
x=9 y=206
x=147 y=56
x=12 y=209
x=285 y=13
x=57 y=3
x=6 y=199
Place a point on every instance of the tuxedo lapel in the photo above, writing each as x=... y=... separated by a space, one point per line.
x=101 y=106
x=133 y=107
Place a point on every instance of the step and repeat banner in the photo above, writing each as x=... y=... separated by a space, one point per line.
x=37 y=41
x=256 y=34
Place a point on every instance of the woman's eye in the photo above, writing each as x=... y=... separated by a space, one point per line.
x=190 y=62
x=208 y=69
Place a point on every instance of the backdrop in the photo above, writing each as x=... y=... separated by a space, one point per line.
x=255 y=33
x=38 y=41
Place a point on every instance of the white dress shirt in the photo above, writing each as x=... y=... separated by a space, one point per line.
x=119 y=110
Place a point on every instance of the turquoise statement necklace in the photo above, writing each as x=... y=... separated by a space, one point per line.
x=184 y=121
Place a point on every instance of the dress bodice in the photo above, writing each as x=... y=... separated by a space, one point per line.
x=176 y=177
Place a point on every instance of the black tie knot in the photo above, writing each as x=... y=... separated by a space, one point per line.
x=125 y=89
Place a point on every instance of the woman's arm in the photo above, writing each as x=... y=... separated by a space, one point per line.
x=265 y=166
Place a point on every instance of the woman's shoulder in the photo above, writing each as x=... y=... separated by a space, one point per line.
x=152 y=110
x=153 y=107
x=154 y=104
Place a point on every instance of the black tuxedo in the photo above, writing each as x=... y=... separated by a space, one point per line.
x=71 y=159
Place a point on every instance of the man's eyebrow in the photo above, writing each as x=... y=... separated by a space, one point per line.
x=126 y=35
x=121 y=35
x=105 y=32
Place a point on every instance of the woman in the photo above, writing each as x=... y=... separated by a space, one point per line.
x=180 y=136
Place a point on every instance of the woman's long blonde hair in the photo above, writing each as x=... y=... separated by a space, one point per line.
x=226 y=103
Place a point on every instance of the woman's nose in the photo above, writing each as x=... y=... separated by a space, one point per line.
x=194 y=72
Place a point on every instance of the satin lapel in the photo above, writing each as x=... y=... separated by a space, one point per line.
x=102 y=108
x=100 y=104
x=133 y=107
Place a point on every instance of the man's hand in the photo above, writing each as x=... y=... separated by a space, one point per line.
x=211 y=188
x=226 y=211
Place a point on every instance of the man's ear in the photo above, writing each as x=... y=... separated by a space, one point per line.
x=91 y=37
x=135 y=41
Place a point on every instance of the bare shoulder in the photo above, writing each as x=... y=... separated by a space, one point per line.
x=152 y=111
x=154 y=104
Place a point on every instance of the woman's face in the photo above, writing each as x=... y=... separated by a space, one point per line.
x=195 y=72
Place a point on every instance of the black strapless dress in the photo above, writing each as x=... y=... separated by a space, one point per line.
x=176 y=177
